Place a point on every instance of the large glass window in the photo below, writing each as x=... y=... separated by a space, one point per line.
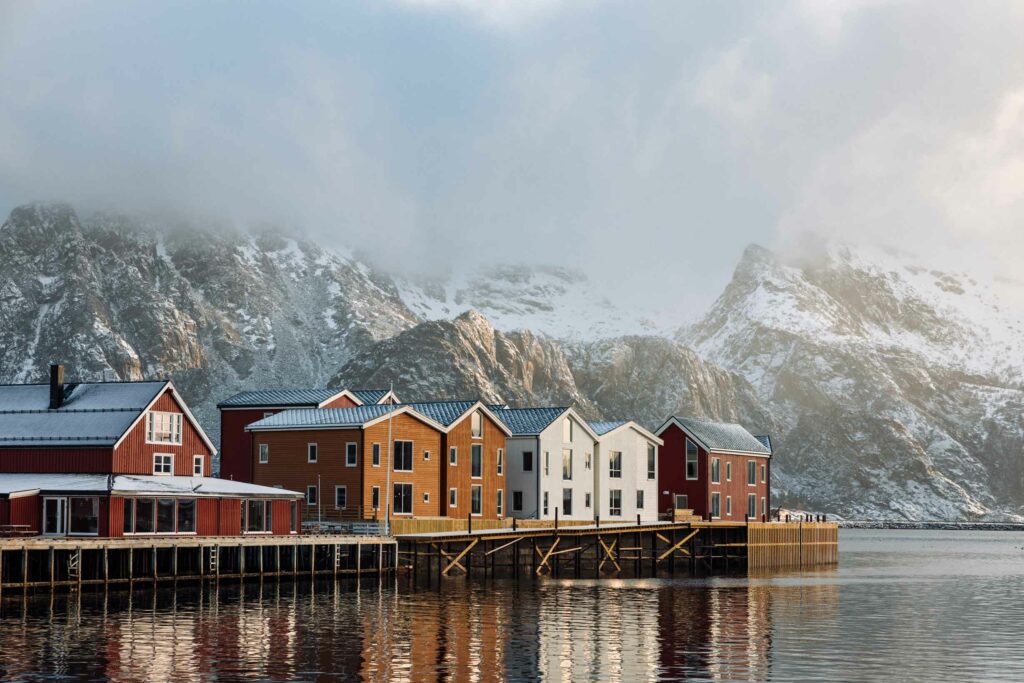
x=751 y=473
x=477 y=461
x=652 y=461
x=165 y=515
x=477 y=424
x=186 y=516
x=403 y=456
x=403 y=499
x=567 y=430
x=716 y=504
x=566 y=463
x=615 y=464
x=751 y=505
x=615 y=502
x=476 y=499
x=164 y=427
x=691 y=460
x=84 y=515
x=566 y=501
x=144 y=516
x=639 y=499
x=258 y=517
x=716 y=470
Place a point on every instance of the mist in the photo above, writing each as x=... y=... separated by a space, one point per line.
x=644 y=143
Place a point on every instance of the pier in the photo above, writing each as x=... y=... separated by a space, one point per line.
x=630 y=549
x=41 y=562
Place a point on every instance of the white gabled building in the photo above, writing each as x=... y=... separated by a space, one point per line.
x=550 y=463
x=625 y=471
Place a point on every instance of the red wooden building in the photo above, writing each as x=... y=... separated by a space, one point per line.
x=250 y=406
x=120 y=458
x=718 y=470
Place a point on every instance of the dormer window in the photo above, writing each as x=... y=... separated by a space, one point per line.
x=163 y=427
x=477 y=425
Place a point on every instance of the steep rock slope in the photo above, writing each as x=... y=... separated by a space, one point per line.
x=892 y=384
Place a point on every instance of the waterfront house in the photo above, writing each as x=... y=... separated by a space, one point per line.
x=120 y=458
x=249 y=406
x=718 y=470
x=625 y=471
x=550 y=463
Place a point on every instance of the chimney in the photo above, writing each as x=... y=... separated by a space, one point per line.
x=56 y=386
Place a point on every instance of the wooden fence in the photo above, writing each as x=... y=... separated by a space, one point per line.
x=792 y=545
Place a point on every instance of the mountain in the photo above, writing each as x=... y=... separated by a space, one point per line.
x=898 y=389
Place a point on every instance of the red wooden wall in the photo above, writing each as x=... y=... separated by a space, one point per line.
x=71 y=460
x=135 y=456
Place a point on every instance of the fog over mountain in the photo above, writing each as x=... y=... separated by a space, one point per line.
x=891 y=389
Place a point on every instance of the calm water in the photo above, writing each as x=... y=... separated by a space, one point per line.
x=902 y=606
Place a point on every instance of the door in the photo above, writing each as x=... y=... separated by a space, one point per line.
x=55 y=516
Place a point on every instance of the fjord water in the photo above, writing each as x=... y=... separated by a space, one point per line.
x=907 y=605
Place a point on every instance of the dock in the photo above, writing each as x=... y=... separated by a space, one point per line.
x=631 y=549
x=40 y=562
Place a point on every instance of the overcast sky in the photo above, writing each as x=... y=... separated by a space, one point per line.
x=645 y=142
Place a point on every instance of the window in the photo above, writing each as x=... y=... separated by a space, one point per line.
x=762 y=474
x=453 y=498
x=197 y=465
x=501 y=461
x=716 y=470
x=375 y=498
x=639 y=499
x=751 y=473
x=476 y=501
x=716 y=505
x=545 y=503
x=728 y=506
x=586 y=500
x=764 y=507
x=426 y=455
x=311 y=452
x=517 y=501
x=500 y=502
x=163 y=463
x=165 y=515
x=340 y=497
x=527 y=461
x=351 y=454
x=566 y=501
x=294 y=517
x=751 y=505
x=403 y=456
x=453 y=456
x=652 y=461
x=426 y=496
x=728 y=471
x=375 y=455
x=403 y=499
x=476 y=461
x=615 y=502
x=477 y=425
x=264 y=454
x=566 y=463
x=615 y=464
x=83 y=516
x=311 y=495
x=587 y=461
x=186 y=516
x=547 y=463
x=691 y=460
x=258 y=517
x=567 y=430
x=682 y=502
x=163 y=427
x=144 y=515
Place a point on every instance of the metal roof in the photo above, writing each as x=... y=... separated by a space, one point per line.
x=602 y=428
x=529 y=421
x=297 y=398
x=92 y=414
x=368 y=396
x=721 y=436
x=445 y=412
x=765 y=440
x=325 y=417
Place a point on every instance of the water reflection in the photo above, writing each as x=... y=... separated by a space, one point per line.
x=911 y=609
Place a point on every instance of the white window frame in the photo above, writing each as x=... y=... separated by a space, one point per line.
x=716 y=496
x=547 y=463
x=477 y=447
x=751 y=470
x=686 y=501
x=586 y=500
x=201 y=462
x=566 y=459
x=614 y=472
x=453 y=497
x=614 y=511
x=426 y=496
x=764 y=506
x=351 y=449
x=375 y=491
x=567 y=429
x=500 y=502
x=426 y=456
x=640 y=499
x=316 y=492
x=546 y=507
x=337 y=488
x=480 y=488
x=752 y=505
x=176 y=428
x=696 y=460
x=453 y=455
x=716 y=470
x=728 y=470
x=728 y=506
x=268 y=516
x=476 y=425
x=764 y=470
x=652 y=472
x=412 y=499
x=264 y=456
x=501 y=461
x=375 y=455
x=588 y=459
x=312 y=453
x=170 y=464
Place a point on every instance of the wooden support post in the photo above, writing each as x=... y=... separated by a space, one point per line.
x=174 y=563
x=547 y=555
x=260 y=549
x=295 y=559
x=1 y=572
x=241 y=563
x=52 y=565
x=609 y=554
x=131 y=566
x=106 y=567
x=654 y=554
x=380 y=558
x=81 y=567
x=277 y=559
x=456 y=562
x=312 y=560
x=153 y=557
x=677 y=546
x=24 y=567
x=359 y=558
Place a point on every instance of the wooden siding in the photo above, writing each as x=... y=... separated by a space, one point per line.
x=135 y=456
x=26 y=510
x=236 y=444
x=459 y=477
x=341 y=402
x=426 y=474
x=46 y=459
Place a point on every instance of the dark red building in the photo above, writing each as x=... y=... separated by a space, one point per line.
x=718 y=470
x=120 y=458
x=251 y=406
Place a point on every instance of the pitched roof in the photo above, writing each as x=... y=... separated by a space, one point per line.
x=602 y=428
x=368 y=396
x=298 y=398
x=445 y=412
x=135 y=485
x=92 y=414
x=340 y=418
x=529 y=421
x=719 y=436
x=765 y=440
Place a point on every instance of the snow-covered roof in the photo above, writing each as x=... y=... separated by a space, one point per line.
x=299 y=398
x=765 y=440
x=718 y=436
x=92 y=414
x=135 y=485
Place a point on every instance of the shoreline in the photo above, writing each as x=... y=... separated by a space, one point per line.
x=931 y=526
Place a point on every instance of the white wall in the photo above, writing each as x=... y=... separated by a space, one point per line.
x=518 y=480
x=582 y=482
x=633 y=446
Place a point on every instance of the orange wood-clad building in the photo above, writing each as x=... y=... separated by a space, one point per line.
x=371 y=461
x=117 y=458
x=247 y=407
x=719 y=470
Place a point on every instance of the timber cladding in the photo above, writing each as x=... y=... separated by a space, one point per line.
x=459 y=476
x=135 y=456
x=426 y=471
